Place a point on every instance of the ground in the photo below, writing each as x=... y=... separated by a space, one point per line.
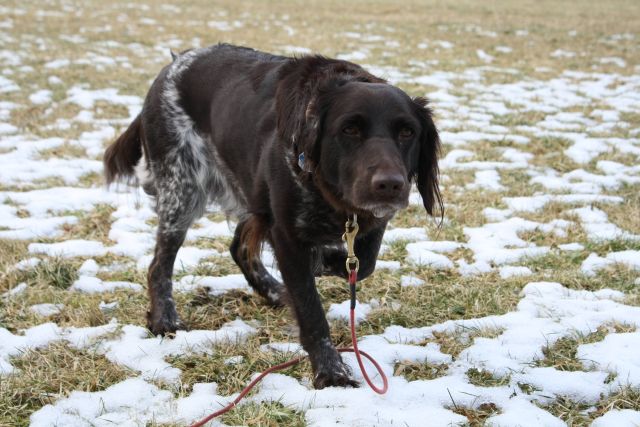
x=520 y=308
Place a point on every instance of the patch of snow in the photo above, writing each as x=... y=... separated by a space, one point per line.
x=341 y=311
x=46 y=310
x=69 y=248
x=408 y=281
x=387 y=265
x=514 y=271
x=411 y=234
x=94 y=285
x=214 y=285
x=41 y=97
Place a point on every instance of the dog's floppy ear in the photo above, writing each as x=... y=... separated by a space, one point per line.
x=298 y=121
x=426 y=172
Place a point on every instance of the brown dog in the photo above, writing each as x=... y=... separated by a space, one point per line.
x=290 y=147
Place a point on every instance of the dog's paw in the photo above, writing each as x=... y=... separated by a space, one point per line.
x=338 y=376
x=164 y=321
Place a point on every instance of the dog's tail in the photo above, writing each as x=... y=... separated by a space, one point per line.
x=121 y=157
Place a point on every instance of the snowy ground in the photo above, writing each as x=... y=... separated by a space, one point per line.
x=522 y=309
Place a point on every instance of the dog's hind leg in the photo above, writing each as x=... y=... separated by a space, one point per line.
x=246 y=253
x=179 y=202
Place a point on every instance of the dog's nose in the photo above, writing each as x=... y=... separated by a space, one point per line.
x=384 y=184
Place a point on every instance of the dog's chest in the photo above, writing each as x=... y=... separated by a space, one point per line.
x=317 y=222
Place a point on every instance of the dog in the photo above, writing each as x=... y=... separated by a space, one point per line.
x=290 y=147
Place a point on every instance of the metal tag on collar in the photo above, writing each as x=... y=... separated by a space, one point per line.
x=301 y=161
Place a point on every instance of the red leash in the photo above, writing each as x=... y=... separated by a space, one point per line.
x=385 y=385
x=351 y=229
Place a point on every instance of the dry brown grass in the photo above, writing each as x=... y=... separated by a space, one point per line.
x=115 y=31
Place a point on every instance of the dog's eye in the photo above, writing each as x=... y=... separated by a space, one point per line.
x=351 y=130
x=405 y=132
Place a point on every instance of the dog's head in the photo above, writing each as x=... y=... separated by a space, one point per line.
x=363 y=140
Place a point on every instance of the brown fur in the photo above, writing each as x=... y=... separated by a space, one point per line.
x=121 y=157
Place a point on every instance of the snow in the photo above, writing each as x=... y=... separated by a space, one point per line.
x=597 y=226
x=469 y=113
x=41 y=97
x=107 y=307
x=86 y=98
x=593 y=263
x=341 y=311
x=46 y=309
x=408 y=281
x=499 y=243
x=388 y=265
x=7 y=85
x=411 y=234
x=514 y=271
x=578 y=386
x=421 y=256
x=93 y=285
x=615 y=354
x=488 y=180
x=135 y=350
x=69 y=248
x=16 y=290
x=27 y=264
x=214 y=285
x=618 y=418
x=547 y=312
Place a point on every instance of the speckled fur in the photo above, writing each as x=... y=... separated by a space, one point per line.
x=227 y=125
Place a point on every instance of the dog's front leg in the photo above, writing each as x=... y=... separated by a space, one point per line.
x=295 y=263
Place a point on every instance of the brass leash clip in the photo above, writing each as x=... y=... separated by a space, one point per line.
x=350 y=230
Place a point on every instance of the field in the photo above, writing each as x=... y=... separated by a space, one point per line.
x=521 y=307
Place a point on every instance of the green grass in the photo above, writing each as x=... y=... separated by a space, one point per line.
x=50 y=373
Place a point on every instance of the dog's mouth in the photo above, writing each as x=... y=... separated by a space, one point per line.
x=381 y=210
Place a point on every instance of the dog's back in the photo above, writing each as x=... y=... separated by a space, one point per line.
x=176 y=135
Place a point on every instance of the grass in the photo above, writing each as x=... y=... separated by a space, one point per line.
x=116 y=31
x=413 y=371
x=45 y=375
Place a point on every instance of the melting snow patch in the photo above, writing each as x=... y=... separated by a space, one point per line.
x=69 y=248
x=473 y=269
x=488 y=180
x=387 y=265
x=27 y=264
x=408 y=281
x=618 y=418
x=616 y=353
x=341 y=311
x=593 y=263
x=46 y=310
x=513 y=271
x=16 y=290
x=41 y=97
x=442 y=246
x=93 y=285
x=214 y=285
x=137 y=351
x=500 y=244
x=596 y=223
x=187 y=257
x=409 y=234
x=421 y=256
x=536 y=203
